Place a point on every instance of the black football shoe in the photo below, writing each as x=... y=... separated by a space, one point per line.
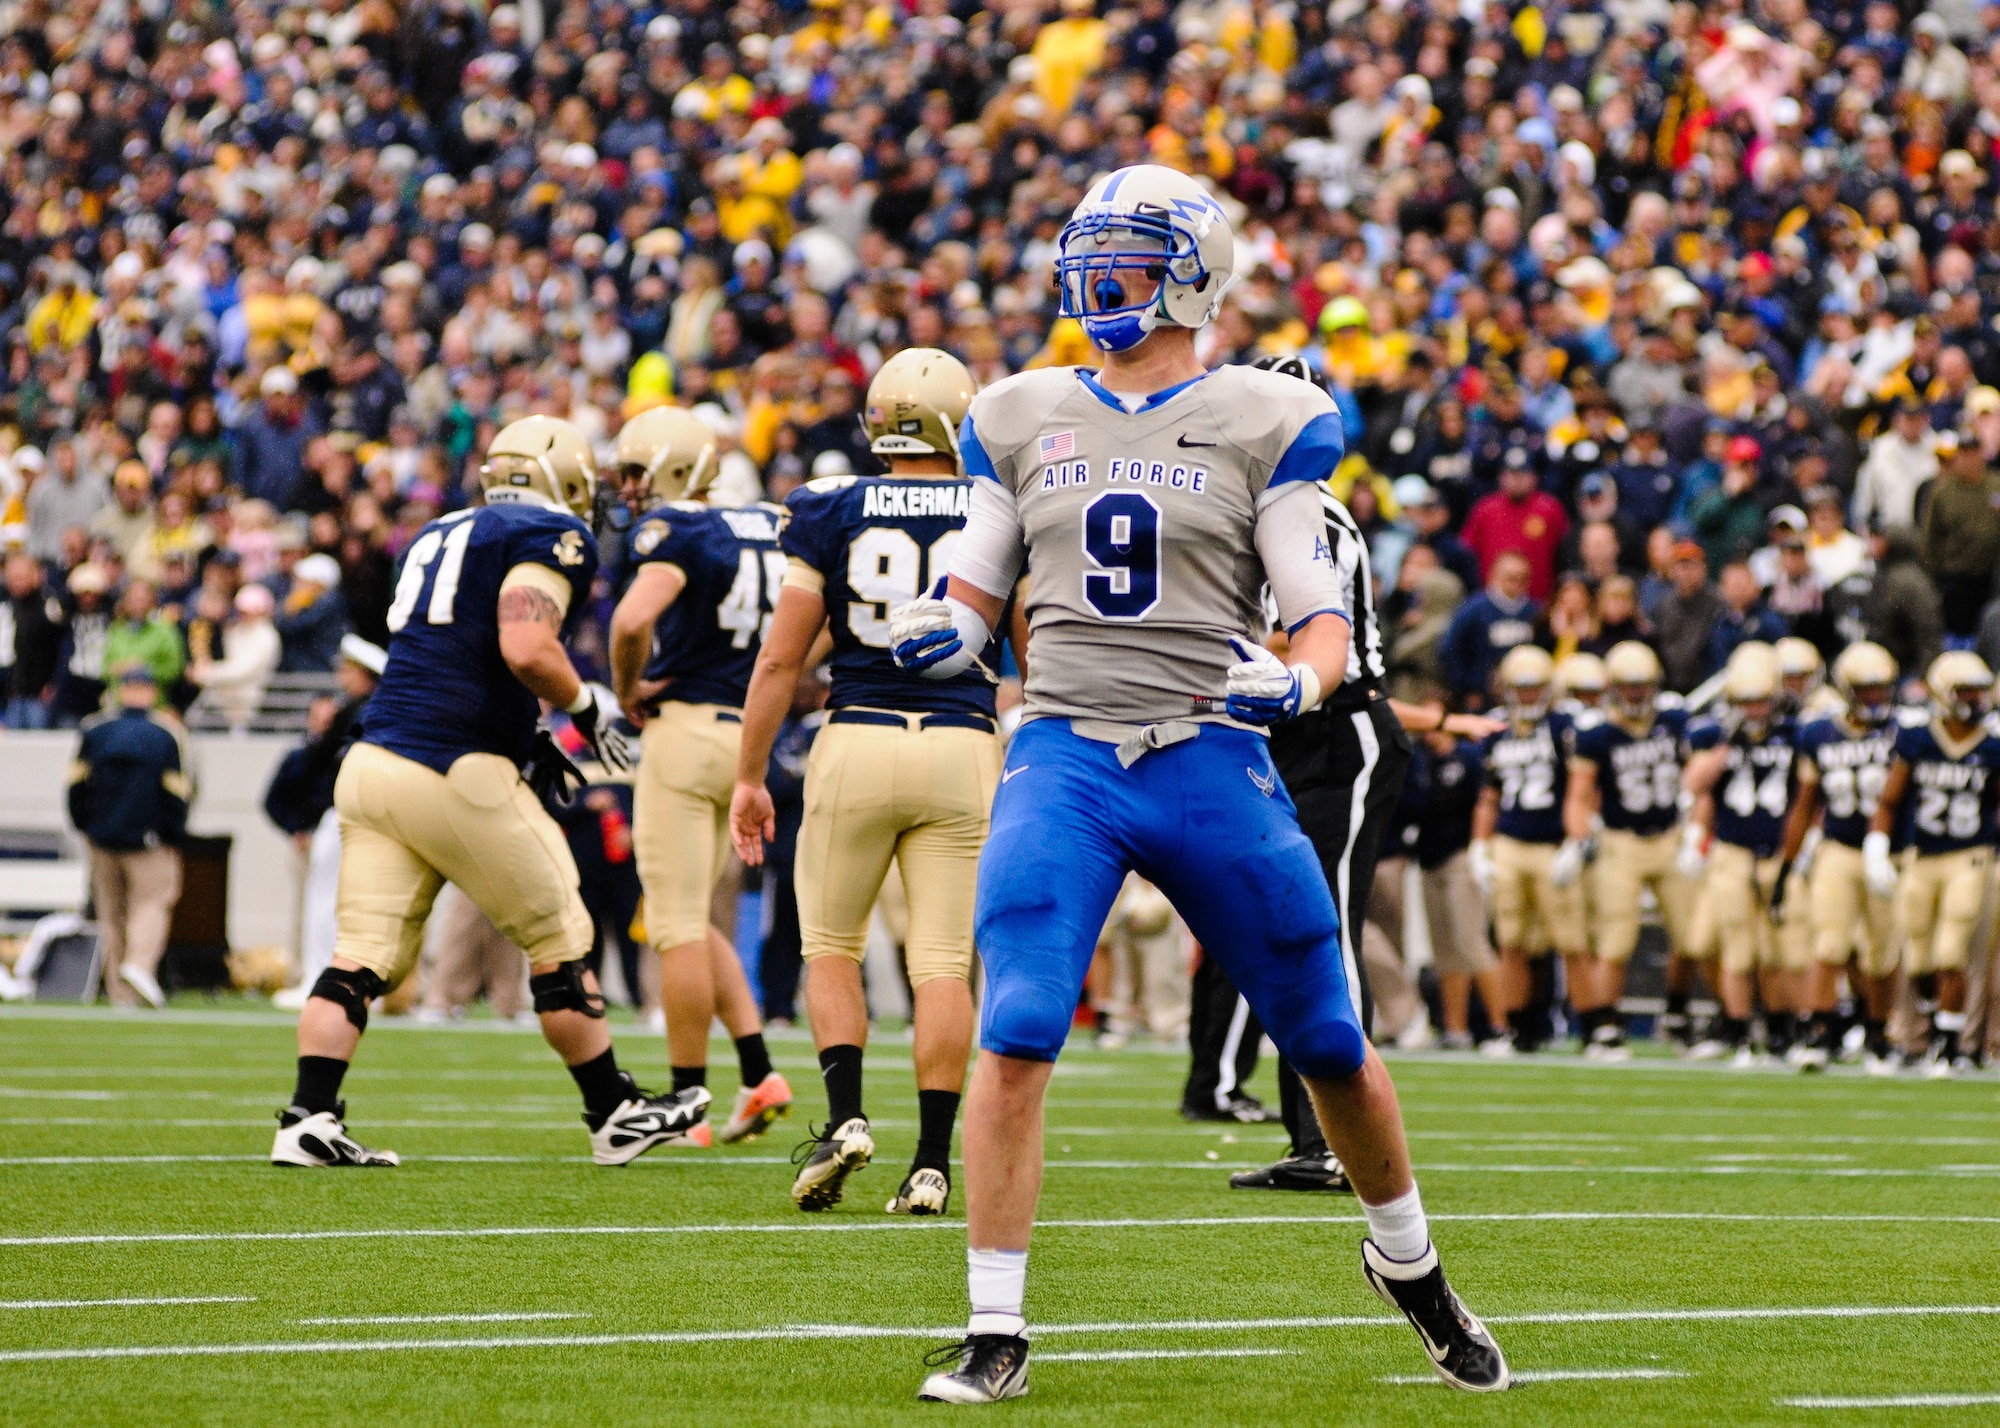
x=990 y=1367
x=1296 y=1172
x=1241 y=1109
x=1463 y=1353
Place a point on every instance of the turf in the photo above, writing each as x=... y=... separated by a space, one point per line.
x=1647 y=1192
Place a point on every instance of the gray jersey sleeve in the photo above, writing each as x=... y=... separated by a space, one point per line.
x=1298 y=559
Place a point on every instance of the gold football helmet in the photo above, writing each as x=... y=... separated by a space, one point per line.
x=1581 y=677
x=666 y=454
x=1865 y=674
x=1800 y=669
x=1634 y=672
x=915 y=404
x=1961 y=684
x=545 y=458
x=1526 y=672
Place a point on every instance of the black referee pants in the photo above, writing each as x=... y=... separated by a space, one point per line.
x=1344 y=769
x=1223 y=1036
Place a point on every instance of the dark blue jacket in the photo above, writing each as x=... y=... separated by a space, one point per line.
x=129 y=787
x=270 y=457
x=1478 y=636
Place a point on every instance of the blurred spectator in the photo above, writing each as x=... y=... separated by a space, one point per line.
x=1837 y=552
x=86 y=626
x=252 y=647
x=1684 y=620
x=128 y=797
x=312 y=621
x=1961 y=538
x=1729 y=520
x=61 y=496
x=1744 y=617
x=1486 y=626
x=141 y=634
x=30 y=641
x=1902 y=613
x=1522 y=519
x=1900 y=462
x=271 y=443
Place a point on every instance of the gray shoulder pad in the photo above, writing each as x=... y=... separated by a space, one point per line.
x=1013 y=411
x=1262 y=413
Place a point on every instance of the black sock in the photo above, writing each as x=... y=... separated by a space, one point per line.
x=840 y=1068
x=319 y=1083
x=753 y=1058
x=1876 y=1034
x=686 y=1076
x=1677 y=1008
x=1734 y=1030
x=1826 y=1030
x=936 y=1111
x=604 y=1086
x=1779 y=1029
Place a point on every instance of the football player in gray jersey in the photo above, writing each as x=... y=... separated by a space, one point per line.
x=1154 y=500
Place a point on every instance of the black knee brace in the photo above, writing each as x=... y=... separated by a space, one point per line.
x=351 y=991
x=564 y=990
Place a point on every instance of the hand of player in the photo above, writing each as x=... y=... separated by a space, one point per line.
x=1692 y=860
x=1261 y=688
x=596 y=721
x=923 y=633
x=635 y=702
x=1474 y=726
x=1568 y=864
x=753 y=821
x=1480 y=858
x=1877 y=865
x=1808 y=850
x=1778 y=889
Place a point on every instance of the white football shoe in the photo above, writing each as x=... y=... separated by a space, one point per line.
x=677 y=1118
x=826 y=1162
x=923 y=1192
x=144 y=983
x=319 y=1141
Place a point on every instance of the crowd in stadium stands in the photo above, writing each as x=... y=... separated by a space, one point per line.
x=1692 y=306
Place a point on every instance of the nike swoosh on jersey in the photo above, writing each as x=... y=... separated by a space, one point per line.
x=1006 y=774
x=1186 y=443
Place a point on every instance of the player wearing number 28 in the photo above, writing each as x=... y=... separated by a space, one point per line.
x=1151 y=502
x=682 y=643
x=904 y=768
x=1944 y=783
x=434 y=791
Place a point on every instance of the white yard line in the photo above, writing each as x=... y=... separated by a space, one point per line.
x=821 y=1227
x=1548 y=1375
x=817 y=1332
x=501 y=1318
x=1093 y=1356
x=127 y=1303
x=1897 y=1400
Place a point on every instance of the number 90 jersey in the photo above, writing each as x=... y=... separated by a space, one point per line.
x=1851 y=769
x=1638 y=776
x=1531 y=771
x=1949 y=803
x=446 y=691
x=1755 y=791
x=707 y=641
x=869 y=544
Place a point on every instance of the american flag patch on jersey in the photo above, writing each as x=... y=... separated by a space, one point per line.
x=1059 y=447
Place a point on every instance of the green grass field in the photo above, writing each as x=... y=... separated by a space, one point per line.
x=1666 y=1245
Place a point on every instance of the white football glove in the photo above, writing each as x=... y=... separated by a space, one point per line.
x=1263 y=689
x=935 y=637
x=1877 y=865
x=1692 y=860
x=595 y=714
x=1568 y=864
x=1480 y=857
x=1808 y=850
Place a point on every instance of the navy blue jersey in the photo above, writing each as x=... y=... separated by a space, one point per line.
x=1949 y=803
x=1532 y=773
x=1440 y=793
x=880 y=541
x=1638 y=776
x=1755 y=791
x=1852 y=768
x=446 y=691
x=706 y=642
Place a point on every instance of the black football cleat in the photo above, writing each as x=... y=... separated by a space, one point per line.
x=990 y=1367
x=1296 y=1172
x=1463 y=1353
x=1241 y=1110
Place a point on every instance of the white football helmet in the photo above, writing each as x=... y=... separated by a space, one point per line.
x=1138 y=226
x=1961 y=685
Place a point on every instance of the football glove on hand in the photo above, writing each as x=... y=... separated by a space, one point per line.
x=1877 y=866
x=935 y=637
x=1692 y=860
x=1479 y=856
x=1808 y=850
x=1263 y=689
x=1568 y=864
x=595 y=714
x=549 y=774
x=1777 y=904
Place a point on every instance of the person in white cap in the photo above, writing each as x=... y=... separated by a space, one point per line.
x=234 y=684
x=313 y=618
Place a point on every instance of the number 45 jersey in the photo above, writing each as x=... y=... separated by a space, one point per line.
x=1142 y=527
x=446 y=691
x=707 y=641
x=866 y=544
x=1950 y=801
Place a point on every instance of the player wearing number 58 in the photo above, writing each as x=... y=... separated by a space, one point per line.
x=905 y=767
x=444 y=783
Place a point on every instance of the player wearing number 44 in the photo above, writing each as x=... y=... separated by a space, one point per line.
x=904 y=769
x=435 y=791
x=683 y=640
x=1944 y=782
x=1151 y=502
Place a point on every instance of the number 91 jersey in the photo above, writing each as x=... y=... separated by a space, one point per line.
x=707 y=641
x=1950 y=801
x=1531 y=771
x=1638 y=775
x=869 y=544
x=446 y=691
x=1755 y=791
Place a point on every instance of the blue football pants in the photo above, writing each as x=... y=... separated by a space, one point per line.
x=1209 y=823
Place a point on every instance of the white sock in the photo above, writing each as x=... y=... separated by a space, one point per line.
x=996 y=1281
x=1399 y=1228
x=1949 y=1021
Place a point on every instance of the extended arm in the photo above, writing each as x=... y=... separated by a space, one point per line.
x=1582 y=802
x=653 y=592
x=794 y=627
x=531 y=615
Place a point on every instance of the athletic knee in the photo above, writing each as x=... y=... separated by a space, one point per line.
x=350 y=989
x=568 y=988
x=1329 y=1050
x=1026 y=1021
